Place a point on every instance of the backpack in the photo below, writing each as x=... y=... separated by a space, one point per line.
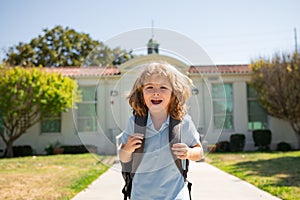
x=129 y=168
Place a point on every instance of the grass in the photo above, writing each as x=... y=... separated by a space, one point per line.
x=277 y=173
x=58 y=177
x=61 y=177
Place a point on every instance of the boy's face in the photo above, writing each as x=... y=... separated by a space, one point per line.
x=157 y=93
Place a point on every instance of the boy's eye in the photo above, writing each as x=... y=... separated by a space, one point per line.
x=149 y=87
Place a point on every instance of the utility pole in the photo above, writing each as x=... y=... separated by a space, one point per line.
x=152 y=28
x=296 y=45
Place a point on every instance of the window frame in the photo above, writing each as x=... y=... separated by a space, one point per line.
x=49 y=118
x=94 y=104
x=223 y=99
x=255 y=99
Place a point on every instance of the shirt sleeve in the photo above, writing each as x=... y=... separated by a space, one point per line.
x=128 y=130
x=189 y=134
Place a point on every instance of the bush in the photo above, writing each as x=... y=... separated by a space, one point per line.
x=237 y=142
x=223 y=146
x=71 y=149
x=25 y=150
x=49 y=149
x=211 y=148
x=76 y=149
x=283 y=146
x=262 y=139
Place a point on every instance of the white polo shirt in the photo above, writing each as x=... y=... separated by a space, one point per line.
x=157 y=177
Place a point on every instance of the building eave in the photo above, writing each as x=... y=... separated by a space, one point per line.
x=92 y=71
x=220 y=69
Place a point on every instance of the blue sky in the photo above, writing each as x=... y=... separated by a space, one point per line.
x=230 y=31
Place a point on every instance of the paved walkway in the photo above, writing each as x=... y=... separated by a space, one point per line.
x=209 y=183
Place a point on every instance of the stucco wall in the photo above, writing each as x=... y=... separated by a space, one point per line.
x=113 y=112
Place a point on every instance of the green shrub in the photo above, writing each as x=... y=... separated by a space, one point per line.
x=237 y=142
x=223 y=146
x=25 y=150
x=283 y=146
x=74 y=149
x=262 y=139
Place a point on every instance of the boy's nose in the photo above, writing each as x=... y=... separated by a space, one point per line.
x=155 y=92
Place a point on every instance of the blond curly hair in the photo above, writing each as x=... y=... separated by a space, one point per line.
x=181 y=90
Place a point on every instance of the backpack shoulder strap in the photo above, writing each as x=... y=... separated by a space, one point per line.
x=139 y=127
x=129 y=169
x=175 y=137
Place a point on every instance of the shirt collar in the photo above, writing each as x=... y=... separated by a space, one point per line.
x=149 y=120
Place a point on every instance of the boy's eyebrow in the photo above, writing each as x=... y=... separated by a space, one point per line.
x=149 y=83
x=152 y=83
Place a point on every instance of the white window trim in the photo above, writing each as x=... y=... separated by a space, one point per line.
x=50 y=133
x=87 y=102
x=213 y=115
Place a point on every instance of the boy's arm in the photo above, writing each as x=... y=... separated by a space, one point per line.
x=182 y=151
x=124 y=155
x=196 y=153
x=133 y=142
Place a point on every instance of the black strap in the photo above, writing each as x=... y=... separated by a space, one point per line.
x=140 y=124
x=129 y=168
x=175 y=137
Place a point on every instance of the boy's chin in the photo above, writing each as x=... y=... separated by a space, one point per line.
x=157 y=109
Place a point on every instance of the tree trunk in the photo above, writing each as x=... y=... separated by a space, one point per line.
x=296 y=127
x=298 y=139
x=9 y=150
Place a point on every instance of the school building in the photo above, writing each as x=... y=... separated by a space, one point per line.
x=222 y=104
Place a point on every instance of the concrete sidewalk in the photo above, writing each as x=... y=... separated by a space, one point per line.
x=209 y=183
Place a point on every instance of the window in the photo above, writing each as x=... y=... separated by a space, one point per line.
x=257 y=117
x=87 y=110
x=222 y=106
x=51 y=123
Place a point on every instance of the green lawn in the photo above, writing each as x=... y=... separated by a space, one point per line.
x=58 y=177
x=277 y=173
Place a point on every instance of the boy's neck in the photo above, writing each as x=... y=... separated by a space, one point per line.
x=158 y=119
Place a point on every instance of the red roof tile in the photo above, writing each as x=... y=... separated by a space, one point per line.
x=112 y=70
x=222 y=69
x=85 y=71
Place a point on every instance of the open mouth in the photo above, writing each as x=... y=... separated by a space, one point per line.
x=156 y=101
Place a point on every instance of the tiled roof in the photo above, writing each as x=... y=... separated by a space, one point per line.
x=112 y=70
x=222 y=69
x=86 y=71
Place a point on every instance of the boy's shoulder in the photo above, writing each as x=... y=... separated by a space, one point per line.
x=186 y=119
x=131 y=118
x=187 y=123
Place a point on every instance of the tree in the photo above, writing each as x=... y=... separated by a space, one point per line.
x=277 y=81
x=104 y=56
x=61 y=47
x=27 y=95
